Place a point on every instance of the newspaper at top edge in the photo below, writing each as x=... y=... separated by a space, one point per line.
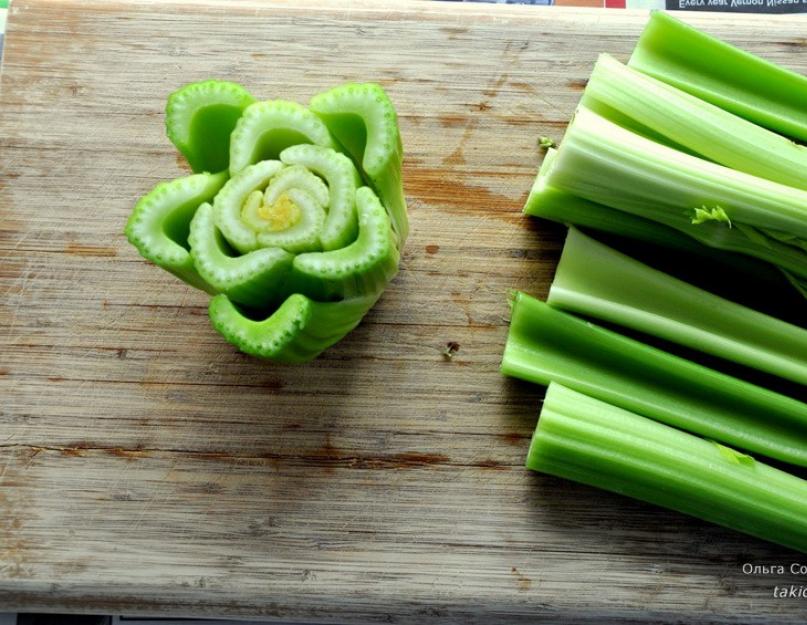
x=740 y=6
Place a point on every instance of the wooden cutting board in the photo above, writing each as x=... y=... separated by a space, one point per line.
x=146 y=467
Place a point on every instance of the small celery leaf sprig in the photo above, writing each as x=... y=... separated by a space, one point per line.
x=293 y=219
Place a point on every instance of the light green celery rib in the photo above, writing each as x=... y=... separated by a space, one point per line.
x=546 y=345
x=267 y=128
x=199 y=118
x=590 y=441
x=364 y=266
x=255 y=279
x=343 y=179
x=299 y=330
x=550 y=203
x=363 y=120
x=597 y=281
x=160 y=222
x=734 y=80
x=229 y=203
x=310 y=195
x=604 y=163
x=651 y=107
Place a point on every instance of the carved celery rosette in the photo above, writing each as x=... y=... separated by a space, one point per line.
x=293 y=219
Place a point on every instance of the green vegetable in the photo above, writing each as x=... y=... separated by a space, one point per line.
x=546 y=345
x=728 y=77
x=590 y=441
x=550 y=203
x=720 y=207
x=597 y=281
x=668 y=115
x=288 y=232
x=160 y=223
x=296 y=332
x=364 y=122
x=199 y=119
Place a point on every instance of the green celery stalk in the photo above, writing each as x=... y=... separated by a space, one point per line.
x=663 y=113
x=548 y=202
x=586 y=440
x=547 y=345
x=594 y=280
x=728 y=77
x=364 y=266
x=720 y=207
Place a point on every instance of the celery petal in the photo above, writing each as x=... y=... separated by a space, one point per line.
x=590 y=441
x=254 y=279
x=267 y=128
x=343 y=179
x=728 y=77
x=546 y=345
x=594 y=280
x=229 y=203
x=364 y=266
x=363 y=120
x=199 y=118
x=160 y=222
x=299 y=330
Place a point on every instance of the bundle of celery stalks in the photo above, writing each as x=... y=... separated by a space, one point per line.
x=689 y=148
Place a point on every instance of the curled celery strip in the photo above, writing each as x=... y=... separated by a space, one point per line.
x=363 y=120
x=547 y=345
x=594 y=280
x=297 y=331
x=590 y=441
x=299 y=228
x=160 y=223
x=717 y=72
x=199 y=119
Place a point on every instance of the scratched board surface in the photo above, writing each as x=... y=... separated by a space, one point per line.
x=147 y=467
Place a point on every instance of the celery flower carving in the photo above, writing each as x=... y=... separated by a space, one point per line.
x=293 y=219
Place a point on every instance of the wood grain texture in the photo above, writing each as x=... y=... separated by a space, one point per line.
x=146 y=467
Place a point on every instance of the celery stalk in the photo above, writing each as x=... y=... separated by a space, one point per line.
x=593 y=442
x=597 y=281
x=728 y=77
x=663 y=113
x=546 y=345
x=720 y=207
x=550 y=203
